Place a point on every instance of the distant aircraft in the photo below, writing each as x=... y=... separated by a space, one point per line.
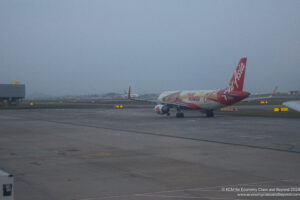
x=131 y=95
x=204 y=100
x=295 y=105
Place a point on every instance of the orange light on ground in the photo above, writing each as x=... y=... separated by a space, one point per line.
x=281 y=109
x=15 y=83
x=264 y=102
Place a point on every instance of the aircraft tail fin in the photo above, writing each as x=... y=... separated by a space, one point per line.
x=274 y=91
x=129 y=92
x=237 y=81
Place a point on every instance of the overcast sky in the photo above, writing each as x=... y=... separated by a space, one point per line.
x=93 y=46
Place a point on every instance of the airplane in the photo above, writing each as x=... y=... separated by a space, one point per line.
x=295 y=105
x=131 y=95
x=205 y=101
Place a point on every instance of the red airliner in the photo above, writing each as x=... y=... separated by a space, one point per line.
x=204 y=100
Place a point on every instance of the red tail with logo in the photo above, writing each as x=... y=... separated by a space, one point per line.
x=129 y=92
x=237 y=81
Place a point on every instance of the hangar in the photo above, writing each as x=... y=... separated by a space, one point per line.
x=11 y=93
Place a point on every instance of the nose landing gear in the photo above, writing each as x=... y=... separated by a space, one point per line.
x=179 y=113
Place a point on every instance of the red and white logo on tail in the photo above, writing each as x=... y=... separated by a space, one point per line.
x=237 y=81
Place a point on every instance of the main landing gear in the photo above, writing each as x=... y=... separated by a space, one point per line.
x=179 y=113
x=210 y=113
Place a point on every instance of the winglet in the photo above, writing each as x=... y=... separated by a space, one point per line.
x=129 y=92
x=274 y=91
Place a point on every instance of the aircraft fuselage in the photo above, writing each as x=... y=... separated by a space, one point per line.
x=202 y=99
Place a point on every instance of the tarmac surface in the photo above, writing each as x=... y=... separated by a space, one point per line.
x=99 y=154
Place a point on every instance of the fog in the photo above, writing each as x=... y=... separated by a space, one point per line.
x=79 y=47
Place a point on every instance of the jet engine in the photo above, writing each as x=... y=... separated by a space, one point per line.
x=161 y=109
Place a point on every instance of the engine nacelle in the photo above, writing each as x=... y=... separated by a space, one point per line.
x=161 y=109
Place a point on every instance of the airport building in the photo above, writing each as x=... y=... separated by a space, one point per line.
x=296 y=92
x=11 y=93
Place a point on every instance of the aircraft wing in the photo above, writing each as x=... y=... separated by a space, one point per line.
x=295 y=105
x=169 y=104
x=256 y=98
x=261 y=97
